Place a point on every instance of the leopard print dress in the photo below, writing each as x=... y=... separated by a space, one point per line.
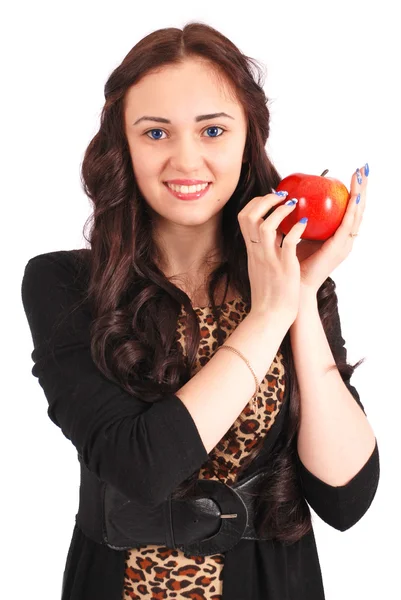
x=156 y=572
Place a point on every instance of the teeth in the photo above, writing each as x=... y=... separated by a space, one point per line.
x=185 y=189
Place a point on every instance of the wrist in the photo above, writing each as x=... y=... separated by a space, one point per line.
x=277 y=318
x=307 y=294
x=308 y=305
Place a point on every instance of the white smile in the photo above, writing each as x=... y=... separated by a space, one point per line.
x=187 y=189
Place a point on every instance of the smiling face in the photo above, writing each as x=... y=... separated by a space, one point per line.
x=189 y=146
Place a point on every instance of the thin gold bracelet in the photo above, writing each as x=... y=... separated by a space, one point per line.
x=247 y=362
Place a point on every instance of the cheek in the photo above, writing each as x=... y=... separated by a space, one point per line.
x=230 y=159
x=146 y=169
x=229 y=169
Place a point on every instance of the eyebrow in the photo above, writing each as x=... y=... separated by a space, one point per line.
x=197 y=119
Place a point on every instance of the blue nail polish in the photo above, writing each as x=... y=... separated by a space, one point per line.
x=358 y=176
x=281 y=194
x=358 y=198
x=304 y=220
x=366 y=169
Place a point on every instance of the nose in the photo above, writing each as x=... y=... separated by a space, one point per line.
x=186 y=156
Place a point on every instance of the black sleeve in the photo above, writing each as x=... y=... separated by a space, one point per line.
x=337 y=344
x=144 y=450
x=342 y=506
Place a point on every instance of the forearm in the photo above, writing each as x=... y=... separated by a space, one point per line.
x=217 y=394
x=335 y=438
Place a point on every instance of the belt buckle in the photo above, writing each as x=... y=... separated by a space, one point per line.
x=233 y=519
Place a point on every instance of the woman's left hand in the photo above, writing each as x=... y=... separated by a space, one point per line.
x=319 y=259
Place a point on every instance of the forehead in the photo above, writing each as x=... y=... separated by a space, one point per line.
x=184 y=90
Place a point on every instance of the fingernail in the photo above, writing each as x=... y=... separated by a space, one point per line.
x=281 y=194
x=291 y=202
x=358 y=198
x=304 y=220
x=366 y=169
x=358 y=176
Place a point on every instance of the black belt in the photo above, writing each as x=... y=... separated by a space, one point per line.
x=212 y=522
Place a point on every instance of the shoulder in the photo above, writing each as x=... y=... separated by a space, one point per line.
x=73 y=258
x=48 y=272
x=73 y=262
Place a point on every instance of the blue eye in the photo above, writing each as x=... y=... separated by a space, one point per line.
x=151 y=132
x=208 y=128
x=215 y=127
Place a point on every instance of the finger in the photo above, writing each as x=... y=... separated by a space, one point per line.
x=359 y=181
x=269 y=226
x=356 y=206
x=293 y=237
x=356 y=183
x=360 y=206
x=262 y=203
x=260 y=206
x=251 y=216
x=342 y=233
x=364 y=172
x=288 y=247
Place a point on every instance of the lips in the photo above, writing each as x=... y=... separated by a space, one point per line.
x=187 y=181
x=193 y=196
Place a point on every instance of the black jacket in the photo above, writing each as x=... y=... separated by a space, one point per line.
x=145 y=451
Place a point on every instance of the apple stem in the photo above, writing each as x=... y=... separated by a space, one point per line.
x=324 y=173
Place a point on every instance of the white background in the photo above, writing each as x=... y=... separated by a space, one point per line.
x=331 y=77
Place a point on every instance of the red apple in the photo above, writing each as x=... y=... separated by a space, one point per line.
x=322 y=199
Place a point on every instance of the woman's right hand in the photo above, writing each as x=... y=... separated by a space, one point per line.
x=274 y=272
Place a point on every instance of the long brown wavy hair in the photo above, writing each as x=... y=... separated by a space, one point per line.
x=127 y=291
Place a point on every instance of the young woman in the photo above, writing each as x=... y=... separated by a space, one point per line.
x=197 y=465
